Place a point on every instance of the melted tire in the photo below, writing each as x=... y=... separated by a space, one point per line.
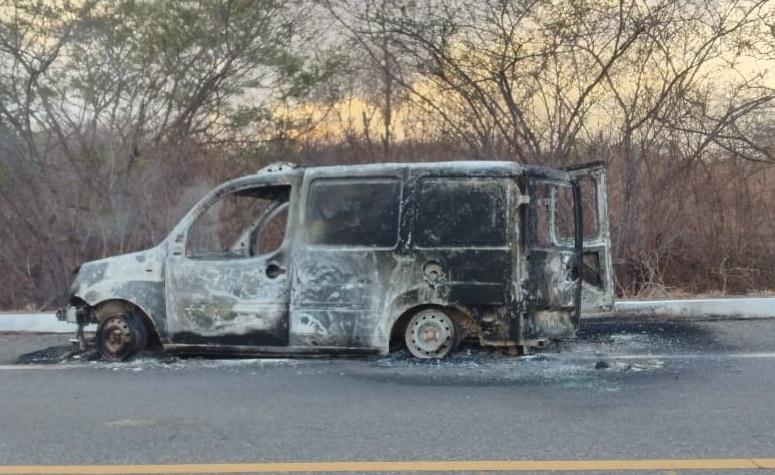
x=121 y=336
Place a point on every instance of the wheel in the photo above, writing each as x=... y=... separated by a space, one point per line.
x=121 y=336
x=431 y=334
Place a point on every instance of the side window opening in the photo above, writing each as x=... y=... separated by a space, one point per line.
x=233 y=226
x=358 y=212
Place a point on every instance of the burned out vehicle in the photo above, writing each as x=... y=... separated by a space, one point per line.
x=361 y=259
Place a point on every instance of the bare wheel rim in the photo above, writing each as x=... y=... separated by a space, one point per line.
x=430 y=334
x=117 y=337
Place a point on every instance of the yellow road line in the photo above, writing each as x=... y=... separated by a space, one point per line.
x=403 y=466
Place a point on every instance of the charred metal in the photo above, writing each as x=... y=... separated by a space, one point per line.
x=356 y=258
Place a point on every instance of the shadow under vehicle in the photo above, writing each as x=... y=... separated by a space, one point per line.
x=359 y=259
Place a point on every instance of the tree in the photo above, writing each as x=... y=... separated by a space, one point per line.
x=106 y=104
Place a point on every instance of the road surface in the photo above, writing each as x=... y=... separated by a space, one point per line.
x=643 y=394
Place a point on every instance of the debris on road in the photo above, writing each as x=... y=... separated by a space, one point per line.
x=606 y=354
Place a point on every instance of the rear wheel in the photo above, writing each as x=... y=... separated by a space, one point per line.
x=431 y=334
x=121 y=336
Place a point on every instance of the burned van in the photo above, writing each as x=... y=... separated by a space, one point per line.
x=362 y=258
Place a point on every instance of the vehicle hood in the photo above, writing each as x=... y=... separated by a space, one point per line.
x=96 y=280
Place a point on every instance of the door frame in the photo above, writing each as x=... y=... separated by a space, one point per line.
x=597 y=299
x=180 y=333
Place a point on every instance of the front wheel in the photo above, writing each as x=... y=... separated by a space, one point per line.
x=431 y=334
x=121 y=336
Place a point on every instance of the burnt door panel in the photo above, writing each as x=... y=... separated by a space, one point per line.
x=227 y=302
x=227 y=281
x=345 y=262
x=338 y=297
x=596 y=267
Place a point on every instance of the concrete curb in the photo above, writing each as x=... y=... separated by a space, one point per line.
x=36 y=323
x=731 y=307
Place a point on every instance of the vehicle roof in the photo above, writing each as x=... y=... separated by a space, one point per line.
x=462 y=165
x=281 y=171
x=500 y=167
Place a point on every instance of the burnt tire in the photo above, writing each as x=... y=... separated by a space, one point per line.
x=431 y=334
x=121 y=336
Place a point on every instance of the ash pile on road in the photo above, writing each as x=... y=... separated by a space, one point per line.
x=475 y=367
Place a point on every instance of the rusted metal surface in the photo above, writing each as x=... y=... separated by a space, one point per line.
x=364 y=249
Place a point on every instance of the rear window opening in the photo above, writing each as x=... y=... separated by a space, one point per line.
x=555 y=223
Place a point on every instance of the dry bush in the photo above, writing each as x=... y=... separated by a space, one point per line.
x=699 y=226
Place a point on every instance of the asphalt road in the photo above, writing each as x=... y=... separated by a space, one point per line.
x=640 y=390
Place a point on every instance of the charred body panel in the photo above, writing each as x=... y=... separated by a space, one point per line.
x=238 y=296
x=362 y=248
x=135 y=278
x=215 y=302
x=438 y=249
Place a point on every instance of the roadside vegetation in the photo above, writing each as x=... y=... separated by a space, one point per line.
x=115 y=117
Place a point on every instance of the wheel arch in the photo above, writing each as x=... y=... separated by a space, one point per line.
x=116 y=305
x=460 y=315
